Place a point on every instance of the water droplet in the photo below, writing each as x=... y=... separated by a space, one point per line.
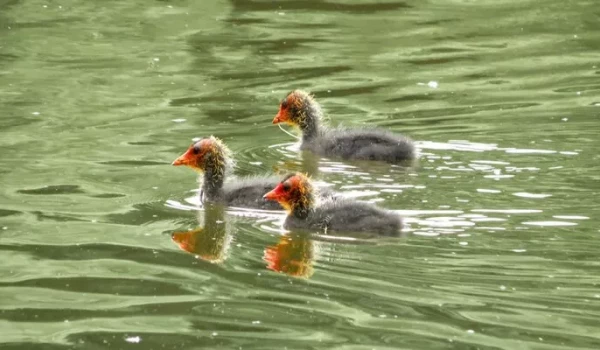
x=485 y=190
x=549 y=223
x=133 y=339
x=532 y=195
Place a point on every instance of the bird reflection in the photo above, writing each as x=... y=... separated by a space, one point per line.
x=308 y=164
x=210 y=242
x=292 y=255
x=312 y=165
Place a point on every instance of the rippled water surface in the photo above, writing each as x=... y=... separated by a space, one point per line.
x=103 y=246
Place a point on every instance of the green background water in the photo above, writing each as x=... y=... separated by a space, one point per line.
x=98 y=97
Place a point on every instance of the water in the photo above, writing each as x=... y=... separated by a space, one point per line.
x=97 y=98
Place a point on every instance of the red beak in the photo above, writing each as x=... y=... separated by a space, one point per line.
x=274 y=194
x=280 y=117
x=184 y=159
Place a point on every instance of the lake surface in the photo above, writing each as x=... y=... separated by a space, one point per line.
x=97 y=98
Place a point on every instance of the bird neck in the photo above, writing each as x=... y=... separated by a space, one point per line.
x=214 y=176
x=309 y=123
x=303 y=206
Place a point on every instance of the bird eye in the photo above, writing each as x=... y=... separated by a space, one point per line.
x=284 y=103
x=196 y=150
x=286 y=186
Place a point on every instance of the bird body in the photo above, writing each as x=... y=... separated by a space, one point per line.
x=212 y=159
x=296 y=194
x=301 y=110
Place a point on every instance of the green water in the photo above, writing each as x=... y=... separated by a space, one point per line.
x=98 y=97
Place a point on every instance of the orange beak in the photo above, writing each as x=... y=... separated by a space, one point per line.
x=281 y=117
x=184 y=159
x=275 y=194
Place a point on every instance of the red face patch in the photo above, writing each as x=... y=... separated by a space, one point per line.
x=193 y=154
x=293 y=100
x=286 y=191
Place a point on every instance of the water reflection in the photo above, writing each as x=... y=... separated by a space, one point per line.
x=308 y=164
x=293 y=255
x=296 y=160
x=209 y=242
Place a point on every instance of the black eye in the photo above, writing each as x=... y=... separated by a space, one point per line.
x=284 y=104
x=196 y=150
x=286 y=186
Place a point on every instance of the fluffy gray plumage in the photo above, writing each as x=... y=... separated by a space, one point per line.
x=349 y=216
x=353 y=144
x=248 y=193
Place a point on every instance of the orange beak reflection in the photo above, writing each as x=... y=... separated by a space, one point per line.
x=204 y=243
x=293 y=255
x=186 y=240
